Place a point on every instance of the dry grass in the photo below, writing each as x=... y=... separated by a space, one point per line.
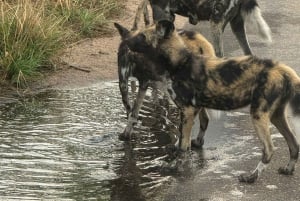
x=32 y=31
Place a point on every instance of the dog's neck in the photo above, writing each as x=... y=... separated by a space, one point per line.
x=173 y=50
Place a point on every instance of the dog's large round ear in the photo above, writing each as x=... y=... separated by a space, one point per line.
x=122 y=30
x=164 y=28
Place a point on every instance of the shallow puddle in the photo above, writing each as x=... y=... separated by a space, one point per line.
x=63 y=145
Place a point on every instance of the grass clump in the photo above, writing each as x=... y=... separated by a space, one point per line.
x=87 y=17
x=28 y=39
x=32 y=32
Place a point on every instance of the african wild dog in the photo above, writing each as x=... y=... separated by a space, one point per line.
x=131 y=64
x=219 y=13
x=225 y=84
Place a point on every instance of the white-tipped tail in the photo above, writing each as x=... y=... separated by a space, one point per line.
x=256 y=21
x=215 y=114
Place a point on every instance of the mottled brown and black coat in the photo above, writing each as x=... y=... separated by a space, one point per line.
x=218 y=12
x=225 y=84
x=132 y=64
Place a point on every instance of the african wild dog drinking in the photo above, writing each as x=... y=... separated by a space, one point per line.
x=225 y=84
x=132 y=64
x=219 y=13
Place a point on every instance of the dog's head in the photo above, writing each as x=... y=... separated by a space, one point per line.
x=166 y=9
x=159 y=42
x=150 y=38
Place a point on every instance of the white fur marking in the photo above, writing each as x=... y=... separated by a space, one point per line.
x=177 y=143
x=255 y=20
x=194 y=101
x=170 y=88
x=200 y=3
x=231 y=5
x=260 y=167
x=123 y=72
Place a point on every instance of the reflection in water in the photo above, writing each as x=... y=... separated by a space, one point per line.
x=63 y=145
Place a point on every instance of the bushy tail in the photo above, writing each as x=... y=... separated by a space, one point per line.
x=295 y=102
x=295 y=109
x=252 y=16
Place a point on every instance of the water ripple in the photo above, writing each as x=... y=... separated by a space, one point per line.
x=63 y=145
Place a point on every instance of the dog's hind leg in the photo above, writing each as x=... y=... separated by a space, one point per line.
x=142 y=8
x=217 y=37
x=238 y=28
x=261 y=124
x=279 y=120
x=133 y=116
x=146 y=14
x=187 y=116
x=203 y=119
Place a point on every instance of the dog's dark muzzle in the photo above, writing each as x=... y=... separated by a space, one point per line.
x=160 y=14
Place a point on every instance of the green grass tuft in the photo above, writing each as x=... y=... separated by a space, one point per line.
x=31 y=32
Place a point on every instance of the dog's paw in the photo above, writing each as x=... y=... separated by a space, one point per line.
x=172 y=151
x=126 y=135
x=123 y=137
x=197 y=143
x=285 y=171
x=181 y=164
x=248 y=178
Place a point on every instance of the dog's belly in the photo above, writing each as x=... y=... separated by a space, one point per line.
x=220 y=102
x=188 y=95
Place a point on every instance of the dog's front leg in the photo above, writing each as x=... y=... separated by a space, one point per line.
x=183 y=145
x=186 y=124
x=217 y=32
x=133 y=116
x=123 y=86
x=203 y=119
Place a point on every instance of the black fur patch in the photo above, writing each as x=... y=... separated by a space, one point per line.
x=229 y=71
x=190 y=34
x=267 y=63
x=271 y=97
x=295 y=104
x=201 y=50
x=248 y=5
x=262 y=78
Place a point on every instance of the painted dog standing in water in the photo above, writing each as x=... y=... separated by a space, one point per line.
x=219 y=13
x=225 y=84
x=132 y=64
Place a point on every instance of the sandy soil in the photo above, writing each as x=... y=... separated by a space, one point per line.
x=97 y=57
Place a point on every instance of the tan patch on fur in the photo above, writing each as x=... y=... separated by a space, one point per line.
x=199 y=42
x=189 y=114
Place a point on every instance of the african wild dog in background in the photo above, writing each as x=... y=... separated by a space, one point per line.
x=132 y=64
x=219 y=13
x=225 y=84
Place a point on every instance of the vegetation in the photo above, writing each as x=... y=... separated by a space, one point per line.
x=33 y=31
